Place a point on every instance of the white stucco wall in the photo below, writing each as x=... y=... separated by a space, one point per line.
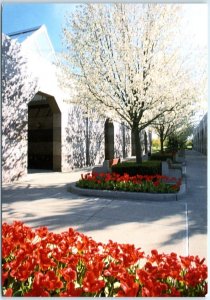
x=18 y=88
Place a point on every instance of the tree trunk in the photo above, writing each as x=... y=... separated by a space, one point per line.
x=133 y=146
x=137 y=142
x=123 y=140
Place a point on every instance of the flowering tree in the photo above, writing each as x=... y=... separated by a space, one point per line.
x=178 y=138
x=178 y=121
x=125 y=61
x=172 y=127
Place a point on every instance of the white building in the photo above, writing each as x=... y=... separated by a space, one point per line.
x=40 y=130
x=200 y=136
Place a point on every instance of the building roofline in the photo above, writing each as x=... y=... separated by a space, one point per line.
x=12 y=34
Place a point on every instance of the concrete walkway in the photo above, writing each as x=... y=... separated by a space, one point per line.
x=41 y=199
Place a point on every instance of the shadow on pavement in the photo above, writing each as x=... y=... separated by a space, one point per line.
x=54 y=207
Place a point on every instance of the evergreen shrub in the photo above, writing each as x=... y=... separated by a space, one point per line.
x=161 y=156
x=133 y=169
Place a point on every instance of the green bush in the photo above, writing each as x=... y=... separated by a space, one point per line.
x=161 y=156
x=189 y=145
x=132 y=168
x=155 y=145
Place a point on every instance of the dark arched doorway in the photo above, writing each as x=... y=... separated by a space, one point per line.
x=44 y=133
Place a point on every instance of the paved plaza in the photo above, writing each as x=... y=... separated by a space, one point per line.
x=42 y=199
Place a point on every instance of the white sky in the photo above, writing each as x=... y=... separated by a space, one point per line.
x=197 y=16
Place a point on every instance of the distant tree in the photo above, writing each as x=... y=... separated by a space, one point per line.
x=177 y=119
x=163 y=130
x=178 y=138
x=155 y=144
x=124 y=58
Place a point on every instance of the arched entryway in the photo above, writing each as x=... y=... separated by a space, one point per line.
x=44 y=133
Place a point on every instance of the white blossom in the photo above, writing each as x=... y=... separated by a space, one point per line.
x=126 y=60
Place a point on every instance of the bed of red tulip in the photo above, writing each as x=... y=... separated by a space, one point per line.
x=42 y=263
x=138 y=183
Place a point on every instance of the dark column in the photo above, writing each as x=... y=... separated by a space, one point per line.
x=123 y=141
x=109 y=139
x=87 y=142
x=150 y=142
x=145 y=142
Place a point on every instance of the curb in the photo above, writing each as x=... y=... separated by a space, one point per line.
x=130 y=196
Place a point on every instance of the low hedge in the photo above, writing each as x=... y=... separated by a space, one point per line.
x=162 y=156
x=133 y=169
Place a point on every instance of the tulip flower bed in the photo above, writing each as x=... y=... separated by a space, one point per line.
x=138 y=183
x=42 y=263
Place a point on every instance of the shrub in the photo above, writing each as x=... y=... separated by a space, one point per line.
x=155 y=144
x=132 y=168
x=138 y=183
x=40 y=263
x=189 y=145
x=161 y=156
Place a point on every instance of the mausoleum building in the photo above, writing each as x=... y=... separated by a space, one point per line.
x=40 y=130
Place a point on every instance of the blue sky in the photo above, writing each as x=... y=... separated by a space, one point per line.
x=18 y=16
